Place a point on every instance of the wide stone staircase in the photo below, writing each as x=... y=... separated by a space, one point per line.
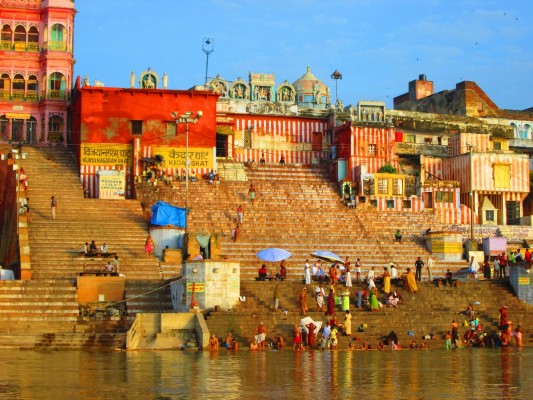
x=55 y=244
x=298 y=209
x=44 y=312
x=429 y=312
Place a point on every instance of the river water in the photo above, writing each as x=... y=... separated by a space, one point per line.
x=406 y=374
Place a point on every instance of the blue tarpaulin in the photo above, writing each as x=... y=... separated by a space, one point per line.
x=164 y=214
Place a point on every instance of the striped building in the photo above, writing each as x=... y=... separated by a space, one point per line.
x=300 y=140
x=500 y=176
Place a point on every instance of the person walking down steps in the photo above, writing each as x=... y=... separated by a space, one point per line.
x=53 y=206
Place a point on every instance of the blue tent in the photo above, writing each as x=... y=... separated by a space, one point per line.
x=164 y=214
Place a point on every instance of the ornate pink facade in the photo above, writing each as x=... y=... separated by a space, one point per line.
x=36 y=69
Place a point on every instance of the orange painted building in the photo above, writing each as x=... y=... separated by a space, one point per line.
x=500 y=176
x=125 y=129
x=36 y=64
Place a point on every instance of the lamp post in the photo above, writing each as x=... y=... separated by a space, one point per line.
x=336 y=76
x=207 y=47
x=471 y=151
x=186 y=118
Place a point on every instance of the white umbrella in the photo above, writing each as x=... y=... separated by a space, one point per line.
x=273 y=254
x=327 y=256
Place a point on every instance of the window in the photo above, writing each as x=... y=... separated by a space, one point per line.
x=55 y=124
x=5 y=83
x=406 y=204
x=171 y=128
x=489 y=215
x=383 y=186
x=57 y=81
x=372 y=149
x=18 y=82
x=6 y=34
x=390 y=204
x=497 y=145
x=136 y=127
x=411 y=139
x=502 y=176
x=444 y=197
x=33 y=35
x=57 y=33
x=397 y=187
x=20 y=34
x=32 y=83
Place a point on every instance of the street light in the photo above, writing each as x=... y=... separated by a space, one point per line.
x=207 y=47
x=336 y=75
x=186 y=118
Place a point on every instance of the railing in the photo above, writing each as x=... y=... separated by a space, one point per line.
x=57 y=94
x=4 y=94
x=57 y=45
x=422 y=148
x=134 y=334
x=6 y=46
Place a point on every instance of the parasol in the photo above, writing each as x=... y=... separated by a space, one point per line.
x=327 y=256
x=273 y=254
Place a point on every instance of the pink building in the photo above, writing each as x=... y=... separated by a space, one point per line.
x=36 y=66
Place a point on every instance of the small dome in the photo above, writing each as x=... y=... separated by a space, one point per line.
x=310 y=91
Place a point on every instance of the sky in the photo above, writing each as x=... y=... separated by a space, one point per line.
x=377 y=45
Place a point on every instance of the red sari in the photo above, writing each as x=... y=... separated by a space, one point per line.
x=331 y=304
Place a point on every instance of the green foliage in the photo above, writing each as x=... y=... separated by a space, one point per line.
x=388 y=169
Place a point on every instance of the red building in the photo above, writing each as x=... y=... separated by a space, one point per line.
x=124 y=129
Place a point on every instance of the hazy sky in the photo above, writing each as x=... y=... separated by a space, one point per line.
x=377 y=45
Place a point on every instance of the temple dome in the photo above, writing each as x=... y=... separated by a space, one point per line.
x=310 y=92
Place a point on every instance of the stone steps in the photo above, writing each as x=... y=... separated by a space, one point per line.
x=441 y=305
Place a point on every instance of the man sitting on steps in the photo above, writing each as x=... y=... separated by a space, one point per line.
x=262 y=272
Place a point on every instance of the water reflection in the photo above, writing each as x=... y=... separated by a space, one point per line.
x=438 y=374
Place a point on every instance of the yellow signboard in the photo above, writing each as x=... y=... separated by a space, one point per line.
x=199 y=287
x=200 y=157
x=17 y=116
x=446 y=247
x=106 y=154
x=523 y=280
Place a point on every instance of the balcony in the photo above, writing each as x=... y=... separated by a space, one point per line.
x=433 y=150
x=4 y=95
x=57 y=94
x=56 y=45
x=521 y=143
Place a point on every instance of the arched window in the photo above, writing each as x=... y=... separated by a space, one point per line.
x=55 y=124
x=5 y=86
x=20 y=34
x=33 y=84
x=57 y=81
x=57 y=39
x=57 y=86
x=6 y=36
x=33 y=39
x=19 y=83
x=31 y=130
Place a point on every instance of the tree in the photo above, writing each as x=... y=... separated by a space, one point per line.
x=389 y=169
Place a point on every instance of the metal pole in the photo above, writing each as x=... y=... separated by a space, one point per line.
x=471 y=194
x=206 y=66
x=186 y=176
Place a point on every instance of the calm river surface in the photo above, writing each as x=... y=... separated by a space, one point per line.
x=406 y=374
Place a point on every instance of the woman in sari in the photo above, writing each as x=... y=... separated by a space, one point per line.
x=348 y=323
x=331 y=303
x=410 y=281
x=386 y=280
x=345 y=299
x=374 y=304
